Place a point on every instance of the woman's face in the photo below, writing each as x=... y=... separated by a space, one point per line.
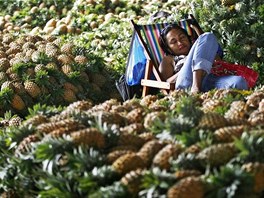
x=178 y=42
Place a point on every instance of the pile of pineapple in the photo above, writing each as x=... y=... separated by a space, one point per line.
x=207 y=145
x=47 y=70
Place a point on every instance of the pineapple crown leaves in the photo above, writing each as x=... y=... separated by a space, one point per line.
x=229 y=181
x=20 y=68
x=48 y=148
x=186 y=161
x=44 y=109
x=42 y=78
x=156 y=181
x=116 y=190
x=6 y=96
x=188 y=106
x=16 y=134
x=251 y=147
x=84 y=159
x=43 y=58
x=104 y=175
x=57 y=185
x=202 y=137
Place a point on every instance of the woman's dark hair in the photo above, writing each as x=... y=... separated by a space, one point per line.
x=162 y=38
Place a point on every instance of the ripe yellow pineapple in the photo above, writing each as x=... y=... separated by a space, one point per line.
x=7 y=84
x=4 y=64
x=257 y=169
x=36 y=120
x=229 y=133
x=212 y=121
x=25 y=144
x=67 y=48
x=17 y=103
x=15 y=121
x=48 y=127
x=187 y=187
x=52 y=50
x=186 y=173
x=136 y=115
x=209 y=104
x=80 y=59
x=69 y=96
x=153 y=117
x=127 y=163
x=148 y=151
x=32 y=89
x=130 y=139
x=66 y=69
x=217 y=154
x=162 y=158
x=256 y=118
x=68 y=85
x=237 y=112
x=91 y=137
x=133 y=181
x=114 y=155
x=64 y=59
x=133 y=128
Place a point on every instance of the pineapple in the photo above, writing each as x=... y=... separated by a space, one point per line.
x=130 y=139
x=52 y=50
x=64 y=59
x=257 y=170
x=254 y=99
x=25 y=144
x=4 y=64
x=109 y=117
x=66 y=69
x=210 y=105
x=217 y=154
x=17 y=103
x=147 y=136
x=98 y=79
x=48 y=127
x=15 y=121
x=136 y=115
x=68 y=85
x=67 y=48
x=91 y=137
x=81 y=59
x=229 y=133
x=148 y=100
x=228 y=2
x=3 y=77
x=187 y=173
x=256 y=118
x=114 y=155
x=133 y=128
x=162 y=158
x=127 y=163
x=36 y=120
x=148 y=151
x=186 y=187
x=7 y=84
x=237 y=113
x=212 y=121
x=133 y=180
x=69 y=96
x=154 y=117
x=32 y=89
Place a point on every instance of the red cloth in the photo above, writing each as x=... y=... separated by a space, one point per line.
x=222 y=68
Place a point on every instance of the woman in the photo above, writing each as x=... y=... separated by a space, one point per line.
x=189 y=65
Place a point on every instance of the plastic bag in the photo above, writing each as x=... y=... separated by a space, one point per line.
x=135 y=69
x=222 y=68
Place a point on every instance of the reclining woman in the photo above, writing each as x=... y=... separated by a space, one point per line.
x=189 y=65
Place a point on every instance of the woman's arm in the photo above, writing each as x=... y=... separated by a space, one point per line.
x=166 y=68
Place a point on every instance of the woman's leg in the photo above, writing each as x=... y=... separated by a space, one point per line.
x=212 y=81
x=198 y=62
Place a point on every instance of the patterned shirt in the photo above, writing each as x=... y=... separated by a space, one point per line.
x=178 y=62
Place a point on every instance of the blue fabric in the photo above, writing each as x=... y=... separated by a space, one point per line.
x=136 y=64
x=201 y=56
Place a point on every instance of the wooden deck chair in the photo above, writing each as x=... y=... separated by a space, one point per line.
x=148 y=35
